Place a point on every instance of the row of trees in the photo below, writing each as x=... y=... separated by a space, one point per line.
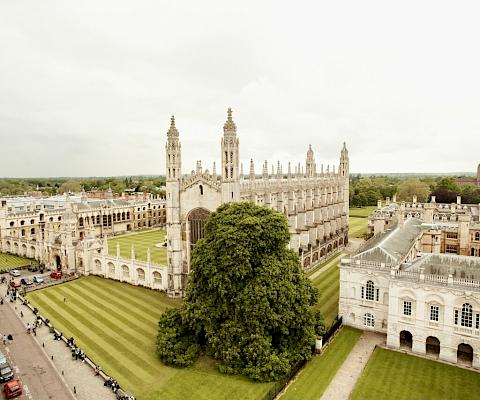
x=51 y=186
x=365 y=191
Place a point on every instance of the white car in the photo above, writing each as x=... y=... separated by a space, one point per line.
x=14 y=272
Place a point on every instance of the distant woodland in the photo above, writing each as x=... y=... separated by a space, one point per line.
x=364 y=190
x=51 y=186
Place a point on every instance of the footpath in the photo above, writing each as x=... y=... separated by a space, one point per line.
x=45 y=366
x=346 y=377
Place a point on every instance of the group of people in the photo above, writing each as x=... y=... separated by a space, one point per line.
x=12 y=292
x=33 y=327
x=6 y=338
x=76 y=352
x=112 y=384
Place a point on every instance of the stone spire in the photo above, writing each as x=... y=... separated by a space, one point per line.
x=229 y=126
x=273 y=170
x=344 y=162
x=265 y=170
x=310 y=167
x=279 y=170
x=289 y=174
x=241 y=170
x=252 y=169
x=214 y=170
x=172 y=132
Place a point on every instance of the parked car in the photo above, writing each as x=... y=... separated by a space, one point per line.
x=6 y=372
x=26 y=281
x=38 y=279
x=14 y=272
x=3 y=359
x=56 y=274
x=33 y=268
x=15 y=284
x=12 y=389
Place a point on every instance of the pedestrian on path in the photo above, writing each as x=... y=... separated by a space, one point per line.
x=4 y=338
x=28 y=327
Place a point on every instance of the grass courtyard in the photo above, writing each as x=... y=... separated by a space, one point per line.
x=328 y=283
x=315 y=377
x=116 y=325
x=358 y=221
x=399 y=376
x=141 y=241
x=10 y=261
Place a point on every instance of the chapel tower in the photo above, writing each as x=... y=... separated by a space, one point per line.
x=230 y=161
x=174 y=244
x=344 y=173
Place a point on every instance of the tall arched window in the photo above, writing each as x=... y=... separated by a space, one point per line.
x=466 y=319
x=368 y=320
x=370 y=292
x=477 y=236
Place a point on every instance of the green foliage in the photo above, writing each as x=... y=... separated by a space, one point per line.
x=410 y=187
x=50 y=186
x=175 y=345
x=366 y=191
x=248 y=301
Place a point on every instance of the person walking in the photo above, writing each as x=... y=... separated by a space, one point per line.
x=28 y=327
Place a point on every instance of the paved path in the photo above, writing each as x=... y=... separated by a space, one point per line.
x=346 y=377
x=46 y=379
x=333 y=261
x=39 y=378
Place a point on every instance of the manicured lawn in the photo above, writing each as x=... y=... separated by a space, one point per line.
x=328 y=283
x=116 y=325
x=141 y=241
x=318 y=373
x=357 y=226
x=10 y=261
x=395 y=376
x=361 y=211
x=318 y=267
x=358 y=221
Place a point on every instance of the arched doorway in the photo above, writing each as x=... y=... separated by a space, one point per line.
x=406 y=340
x=197 y=218
x=58 y=262
x=465 y=354
x=432 y=346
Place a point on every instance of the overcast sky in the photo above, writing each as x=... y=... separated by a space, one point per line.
x=88 y=87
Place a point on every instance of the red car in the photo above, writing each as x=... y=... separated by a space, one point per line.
x=15 y=284
x=56 y=275
x=12 y=389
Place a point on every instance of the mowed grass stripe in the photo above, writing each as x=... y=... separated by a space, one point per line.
x=147 y=296
x=83 y=337
x=133 y=299
x=147 y=323
x=128 y=330
x=328 y=284
x=107 y=337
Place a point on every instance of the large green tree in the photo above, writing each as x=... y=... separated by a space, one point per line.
x=410 y=187
x=248 y=302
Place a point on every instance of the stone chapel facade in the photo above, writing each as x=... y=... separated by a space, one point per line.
x=315 y=203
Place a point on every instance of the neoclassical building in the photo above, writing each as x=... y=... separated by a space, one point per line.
x=315 y=202
x=416 y=282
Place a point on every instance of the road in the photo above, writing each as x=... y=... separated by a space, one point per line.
x=39 y=378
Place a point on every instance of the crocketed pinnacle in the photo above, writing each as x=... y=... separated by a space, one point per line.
x=229 y=126
x=173 y=129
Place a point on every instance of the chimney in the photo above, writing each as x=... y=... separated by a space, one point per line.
x=459 y=199
x=394 y=199
x=414 y=198
x=387 y=201
x=433 y=199
x=379 y=204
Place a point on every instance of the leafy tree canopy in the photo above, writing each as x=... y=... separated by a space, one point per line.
x=248 y=302
x=410 y=187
